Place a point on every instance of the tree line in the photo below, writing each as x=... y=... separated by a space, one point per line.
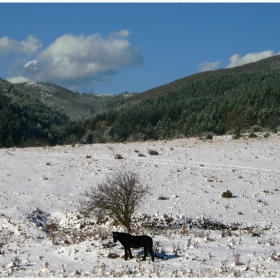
x=209 y=105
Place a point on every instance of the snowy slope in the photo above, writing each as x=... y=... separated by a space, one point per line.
x=196 y=232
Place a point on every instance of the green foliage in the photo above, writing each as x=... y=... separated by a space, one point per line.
x=206 y=136
x=253 y=135
x=26 y=121
x=220 y=103
x=11 y=123
x=209 y=136
x=227 y=194
x=118 y=156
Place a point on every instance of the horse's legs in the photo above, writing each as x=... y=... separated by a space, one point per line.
x=125 y=253
x=145 y=253
x=151 y=253
x=129 y=250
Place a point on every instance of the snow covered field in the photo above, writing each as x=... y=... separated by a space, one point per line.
x=196 y=232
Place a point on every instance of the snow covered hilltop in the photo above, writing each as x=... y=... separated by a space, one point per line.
x=196 y=232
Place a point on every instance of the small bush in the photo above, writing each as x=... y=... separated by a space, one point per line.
x=163 y=198
x=206 y=136
x=209 y=136
x=113 y=256
x=235 y=137
x=267 y=134
x=227 y=194
x=257 y=128
x=118 y=156
x=2 y=244
x=16 y=262
x=253 y=135
x=152 y=152
x=237 y=259
x=141 y=155
x=52 y=224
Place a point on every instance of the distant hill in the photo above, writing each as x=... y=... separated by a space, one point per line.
x=265 y=64
x=209 y=102
x=25 y=120
x=74 y=105
x=212 y=102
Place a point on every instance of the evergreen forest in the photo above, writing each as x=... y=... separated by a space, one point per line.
x=216 y=104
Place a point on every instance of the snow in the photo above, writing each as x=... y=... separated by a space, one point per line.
x=196 y=232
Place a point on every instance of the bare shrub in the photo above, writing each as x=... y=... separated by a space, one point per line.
x=113 y=256
x=118 y=197
x=152 y=152
x=52 y=224
x=118 y=156
x=141 y=155
x=238 y=119
x=163 y=198
x=237 y=258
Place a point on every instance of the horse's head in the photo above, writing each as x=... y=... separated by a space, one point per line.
x=115 y=237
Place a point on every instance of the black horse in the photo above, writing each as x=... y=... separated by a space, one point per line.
x=129 y=241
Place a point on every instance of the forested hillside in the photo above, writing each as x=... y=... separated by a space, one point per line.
x=74 y=105
x=208 y=104
x=26 y=121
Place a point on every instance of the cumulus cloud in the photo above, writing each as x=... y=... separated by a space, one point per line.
x=29 y=46
x=207 y=66
x=237 y=60
x=18 y=79
x=76 y=60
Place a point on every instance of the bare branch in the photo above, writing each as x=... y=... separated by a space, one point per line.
x=119 y=196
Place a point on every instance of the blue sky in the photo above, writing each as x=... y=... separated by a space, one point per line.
x=116 y=47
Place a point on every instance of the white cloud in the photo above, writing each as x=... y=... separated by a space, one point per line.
x=30 y=62
x=18 y=79
x=76 y=60
x=207 y=66
x=237 y=60
x=29 y=46
x=122 y=33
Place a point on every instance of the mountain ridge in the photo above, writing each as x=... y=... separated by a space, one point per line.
x=73 y=104
x=80 y=105
x=271 y=62
x=208 y=102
